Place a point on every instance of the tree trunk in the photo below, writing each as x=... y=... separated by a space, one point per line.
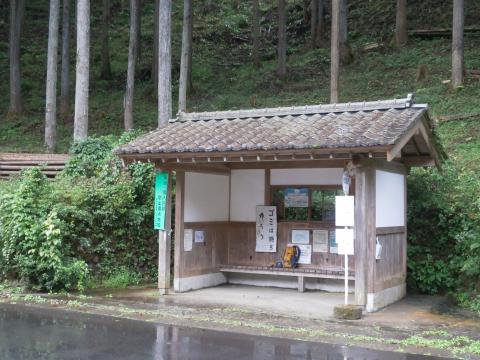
x=320 y=35
x=65 y=80
x=282 y=40
x=346 y=56
x=401 y=34
x=80 y=131
x=313 y=22
x=106 y=70
x=17 y=12
x=155 y=47
x=256 y=33
x=457 y=44
x=51 y=91
x=139 y=30
x=132 y=57
x=335 y=52
x=185 y=57
x=190 y=55
x=164 y=63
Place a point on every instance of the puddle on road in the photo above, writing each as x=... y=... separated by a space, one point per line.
x=33 y=333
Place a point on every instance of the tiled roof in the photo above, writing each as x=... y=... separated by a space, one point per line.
x=355 y=125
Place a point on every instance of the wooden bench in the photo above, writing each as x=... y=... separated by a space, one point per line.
x=300 y=273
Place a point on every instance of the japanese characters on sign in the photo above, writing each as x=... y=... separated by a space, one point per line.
x=161 y=189
x=320 y=241
x=266 y=230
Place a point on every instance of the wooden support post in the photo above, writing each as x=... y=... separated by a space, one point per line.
x=301 y=284
x=364 y=231
x=179 y=227
x=164 y=244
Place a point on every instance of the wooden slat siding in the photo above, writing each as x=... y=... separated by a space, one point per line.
x=179 y=216
x=242 y=240
x=14 y=164
x=208 y=256
x=390 y=269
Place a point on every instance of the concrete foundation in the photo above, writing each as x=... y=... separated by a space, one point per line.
x=199 y=282
x=378 y=300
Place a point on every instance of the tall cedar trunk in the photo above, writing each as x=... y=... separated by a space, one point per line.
x=17 y=12
x=132 y=57
x=106 y=70
x=457 y=43
x=401 y=35
x=190 y=56
x=155 y=47
x=51 y=90
x=320 y=35
x=164 y=62
x=185 y=57
x=65 y=79
x=345 y=50
x=313 y=22
x=282 y=40
x=256 y=33
x=139 y=29
x=335 y=52
x=80 y=130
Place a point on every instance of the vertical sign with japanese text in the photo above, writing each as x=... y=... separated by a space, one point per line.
x=266 y=219
x=160 y=206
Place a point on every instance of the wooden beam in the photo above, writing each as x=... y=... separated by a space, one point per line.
x=164 y=244
x=397 y=148
x=199 y=168
x=380 y=164
x=179 y=226
x=429 y=141
x=364 y=231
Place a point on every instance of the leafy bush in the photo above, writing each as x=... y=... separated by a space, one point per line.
x=444 y=232
x=94 y=217
x=121 y=278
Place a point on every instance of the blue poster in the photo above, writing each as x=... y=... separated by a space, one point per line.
x=296 y=198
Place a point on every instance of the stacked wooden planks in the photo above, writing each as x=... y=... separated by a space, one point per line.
x=12 y=164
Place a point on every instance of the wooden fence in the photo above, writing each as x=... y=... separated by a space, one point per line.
x=12 y=164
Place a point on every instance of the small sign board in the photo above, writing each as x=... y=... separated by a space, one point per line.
x=300 y=236
x=305 y=254
x=296 y=198
x=266 y=229
x=320 y=241
x=199 y=236
x=344 y=211
x=187 y=240
x=160 y=206
x=345 y=241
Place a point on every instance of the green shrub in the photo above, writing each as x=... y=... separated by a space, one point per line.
x=444 y=232
x=121 y=278
x=93 y=218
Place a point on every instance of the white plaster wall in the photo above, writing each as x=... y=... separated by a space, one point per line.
x=206 y=197
x=248 y=191
x=390 y=199
x=322 y=176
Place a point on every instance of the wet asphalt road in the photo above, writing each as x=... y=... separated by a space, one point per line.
x=31 y=333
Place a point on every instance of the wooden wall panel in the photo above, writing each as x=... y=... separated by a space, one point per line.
x=391 y=268
x=241 y=246
x=204 y=257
